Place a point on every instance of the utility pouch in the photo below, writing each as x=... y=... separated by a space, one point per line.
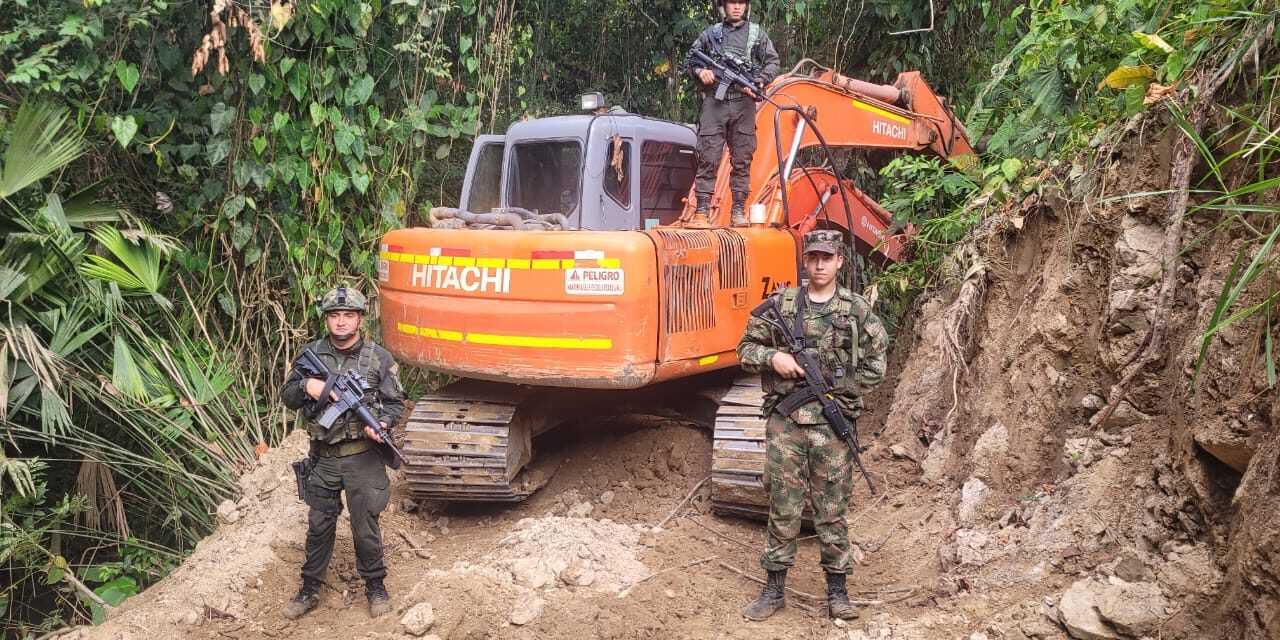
x=301 y=469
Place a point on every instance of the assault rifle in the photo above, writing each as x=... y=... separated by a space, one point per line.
x=729 y=72
x=349 y=387
x=816 y=386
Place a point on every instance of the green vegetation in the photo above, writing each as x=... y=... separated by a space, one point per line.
x=181 y=178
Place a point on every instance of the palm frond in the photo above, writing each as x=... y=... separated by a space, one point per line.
x=126 y=375
x=138 y=269
x=84 y=207
x=21 y=474
x=66 y=327
x=27 y=348
x=41 y=144
x=12 y=278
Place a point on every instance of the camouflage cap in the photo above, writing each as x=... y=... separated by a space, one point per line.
x=824 y=240
x=341 y=298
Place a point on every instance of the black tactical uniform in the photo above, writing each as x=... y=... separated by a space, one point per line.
x=733 y=119
x=351 y=463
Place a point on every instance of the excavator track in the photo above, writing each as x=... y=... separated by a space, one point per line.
x=467 y=442
x=737 y=452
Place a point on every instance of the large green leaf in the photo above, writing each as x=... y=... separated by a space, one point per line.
x=41 y=144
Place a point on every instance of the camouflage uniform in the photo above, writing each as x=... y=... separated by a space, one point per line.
x=804 y=456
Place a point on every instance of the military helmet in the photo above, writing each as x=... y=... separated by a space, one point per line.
x=720 y=9
x=824 y=240
x=341 y=298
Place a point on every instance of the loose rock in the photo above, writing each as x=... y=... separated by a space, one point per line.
x=417 y=620
x=578 y=573
x=227 y=512
x=1134 y=609
x=531 y=572
x=1077 y=610
x=526 y=610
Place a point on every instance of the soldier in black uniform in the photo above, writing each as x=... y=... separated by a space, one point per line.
x=734 y=118
x=351 y=463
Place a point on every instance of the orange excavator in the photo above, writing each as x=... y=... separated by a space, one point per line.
x=573 y=279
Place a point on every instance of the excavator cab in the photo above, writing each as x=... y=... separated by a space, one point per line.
x=602 y=172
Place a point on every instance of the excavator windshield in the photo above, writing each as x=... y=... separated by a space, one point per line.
x=543 y=176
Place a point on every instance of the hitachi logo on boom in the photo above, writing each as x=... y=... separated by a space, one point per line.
x=470 y=279
x=889 y=129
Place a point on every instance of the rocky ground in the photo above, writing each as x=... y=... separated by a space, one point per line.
x=584 y=557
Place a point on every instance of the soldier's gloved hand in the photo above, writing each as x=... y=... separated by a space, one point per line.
x=707 y=76
x=786 y=365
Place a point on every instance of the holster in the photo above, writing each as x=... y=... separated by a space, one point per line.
x=301 y=470
x=317 y=498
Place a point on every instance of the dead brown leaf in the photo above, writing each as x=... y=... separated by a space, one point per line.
x=1157 y=92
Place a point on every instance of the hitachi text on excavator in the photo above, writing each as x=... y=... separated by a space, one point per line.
x=573 y=277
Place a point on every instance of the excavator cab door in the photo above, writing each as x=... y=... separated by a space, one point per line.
x=482 y=185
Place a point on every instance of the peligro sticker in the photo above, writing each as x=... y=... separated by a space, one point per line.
x=594 y=282
x=384 y=270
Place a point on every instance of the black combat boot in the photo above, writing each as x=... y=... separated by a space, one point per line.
x=306 y=599
x=379 y=600
x=772 y=600
x=738 y=215
x=838 y=604
x=702 y=205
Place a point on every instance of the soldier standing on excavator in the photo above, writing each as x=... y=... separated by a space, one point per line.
x=745 y=44
x=351 y=462
x=803 y=454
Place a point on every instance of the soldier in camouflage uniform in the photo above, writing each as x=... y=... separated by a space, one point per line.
x=352 y=463
x=804 y=456
x=732 y=120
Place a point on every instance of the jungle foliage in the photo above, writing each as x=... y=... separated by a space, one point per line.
x=181 y=179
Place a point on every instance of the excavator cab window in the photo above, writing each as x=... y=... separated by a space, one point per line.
x=666 y=173
x=486 y=178
x=543 y=176
x=617 y=174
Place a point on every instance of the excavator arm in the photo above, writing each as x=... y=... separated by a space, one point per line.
x=847 y=112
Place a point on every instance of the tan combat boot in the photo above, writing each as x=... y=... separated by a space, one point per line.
x=772 y=599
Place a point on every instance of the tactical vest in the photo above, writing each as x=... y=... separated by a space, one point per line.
x=353 y=429
x=753 y=38
x=834 y=361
